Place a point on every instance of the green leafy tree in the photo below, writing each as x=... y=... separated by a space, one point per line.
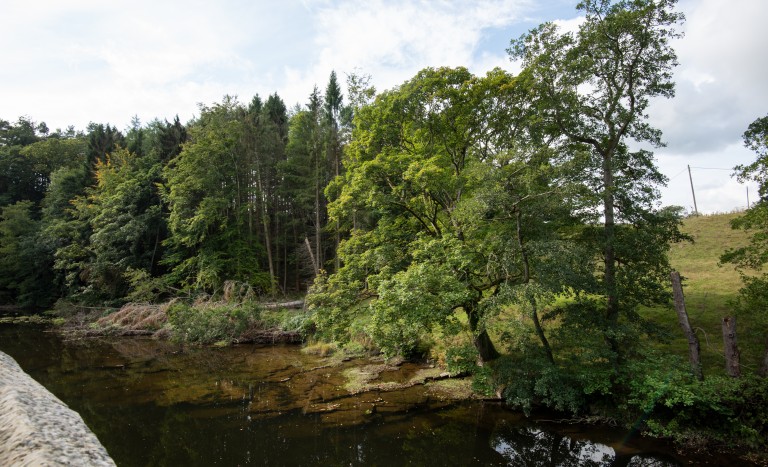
x=266 y=131
x=28 y=156
x=101 y=141
x=207 y=193
x=445 y=210
x=592 y=91
x=305 y=174
x=24 y=132
x=25 y=267
x=753 y=297
x=125 y=221
x=332 y=114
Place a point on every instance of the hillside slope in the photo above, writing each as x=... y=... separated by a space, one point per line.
x=709 y=287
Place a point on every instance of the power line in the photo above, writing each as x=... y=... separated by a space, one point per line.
x=711 y=168
x=678 y=174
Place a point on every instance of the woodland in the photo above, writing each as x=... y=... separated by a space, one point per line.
x=507 y=225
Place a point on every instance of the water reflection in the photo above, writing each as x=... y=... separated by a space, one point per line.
x=155 y=403
x=533 y=446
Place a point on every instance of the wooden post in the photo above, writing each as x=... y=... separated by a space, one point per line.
x=731 y=349
x=694 y=349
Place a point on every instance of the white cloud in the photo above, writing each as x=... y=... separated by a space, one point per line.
x=720 y=80
x=75 y=62
x=88 y=60
x=719 y=90
x=392 y=40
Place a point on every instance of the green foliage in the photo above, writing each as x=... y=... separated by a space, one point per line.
x=664 y=398
x=143 y=288
x=207 y=193
x=125 y=217
x=441 y=206
x=754 y=256
x=211 y=322
x=28 y=156
x=592 y=90
x=25 y=265
x=461 y=360
x=287 y=320
x=586 y=368
x=530 y=380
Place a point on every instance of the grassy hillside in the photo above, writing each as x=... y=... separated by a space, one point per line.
x=708 y=288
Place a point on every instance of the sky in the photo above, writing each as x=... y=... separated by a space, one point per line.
x=79 y=61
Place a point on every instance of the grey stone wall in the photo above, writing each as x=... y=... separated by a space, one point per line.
x=37 y=429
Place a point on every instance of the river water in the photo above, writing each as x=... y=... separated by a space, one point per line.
x=157 y=403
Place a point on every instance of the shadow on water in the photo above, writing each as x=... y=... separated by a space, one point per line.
x=157 y=403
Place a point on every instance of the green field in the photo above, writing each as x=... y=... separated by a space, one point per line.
x=709 y=289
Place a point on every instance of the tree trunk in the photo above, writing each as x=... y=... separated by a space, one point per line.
x=609 y=253
x=482 y=340
x=694 y=349
x=265 y=224
x=337 y=237
x=731 y=349
x=318 y=257
x=311 y=255
x=540 y=333
x=527 y=279
x=285 y=262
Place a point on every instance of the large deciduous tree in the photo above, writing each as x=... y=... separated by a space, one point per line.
x=592 y=91
x=442 y=206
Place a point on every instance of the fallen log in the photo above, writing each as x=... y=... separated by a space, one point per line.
x=267 y=336
x=296 y=304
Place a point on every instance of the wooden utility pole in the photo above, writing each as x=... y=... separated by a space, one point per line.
x=731 y=349
x=690 y=177
x=694 y=349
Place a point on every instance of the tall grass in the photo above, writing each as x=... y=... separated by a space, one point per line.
x=709 y=288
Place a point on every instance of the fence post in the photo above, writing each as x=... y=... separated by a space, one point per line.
x=731 y=349
x=694 y=349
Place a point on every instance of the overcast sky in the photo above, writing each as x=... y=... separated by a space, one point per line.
x=79 y=61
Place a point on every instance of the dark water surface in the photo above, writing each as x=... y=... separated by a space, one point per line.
x=156 y=403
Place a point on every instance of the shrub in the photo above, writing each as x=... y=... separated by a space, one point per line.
x=461 y=359
x=674 y=404
x=211 y=322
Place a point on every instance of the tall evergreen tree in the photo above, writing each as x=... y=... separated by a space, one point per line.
x=207 y=192
x=333 y=145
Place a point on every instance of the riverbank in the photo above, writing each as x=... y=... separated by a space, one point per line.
x=203 y=321
x=36 y=428
x=159 y=402
x=220 y=324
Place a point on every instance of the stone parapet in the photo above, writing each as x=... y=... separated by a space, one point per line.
x=37 y=429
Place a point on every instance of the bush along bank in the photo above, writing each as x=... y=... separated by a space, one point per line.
x=652 y=394
x=203 y=321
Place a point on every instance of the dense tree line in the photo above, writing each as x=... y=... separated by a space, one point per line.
x=510 y=220
x=237 y=194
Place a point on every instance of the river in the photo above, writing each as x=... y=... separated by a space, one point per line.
x=158 y=403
